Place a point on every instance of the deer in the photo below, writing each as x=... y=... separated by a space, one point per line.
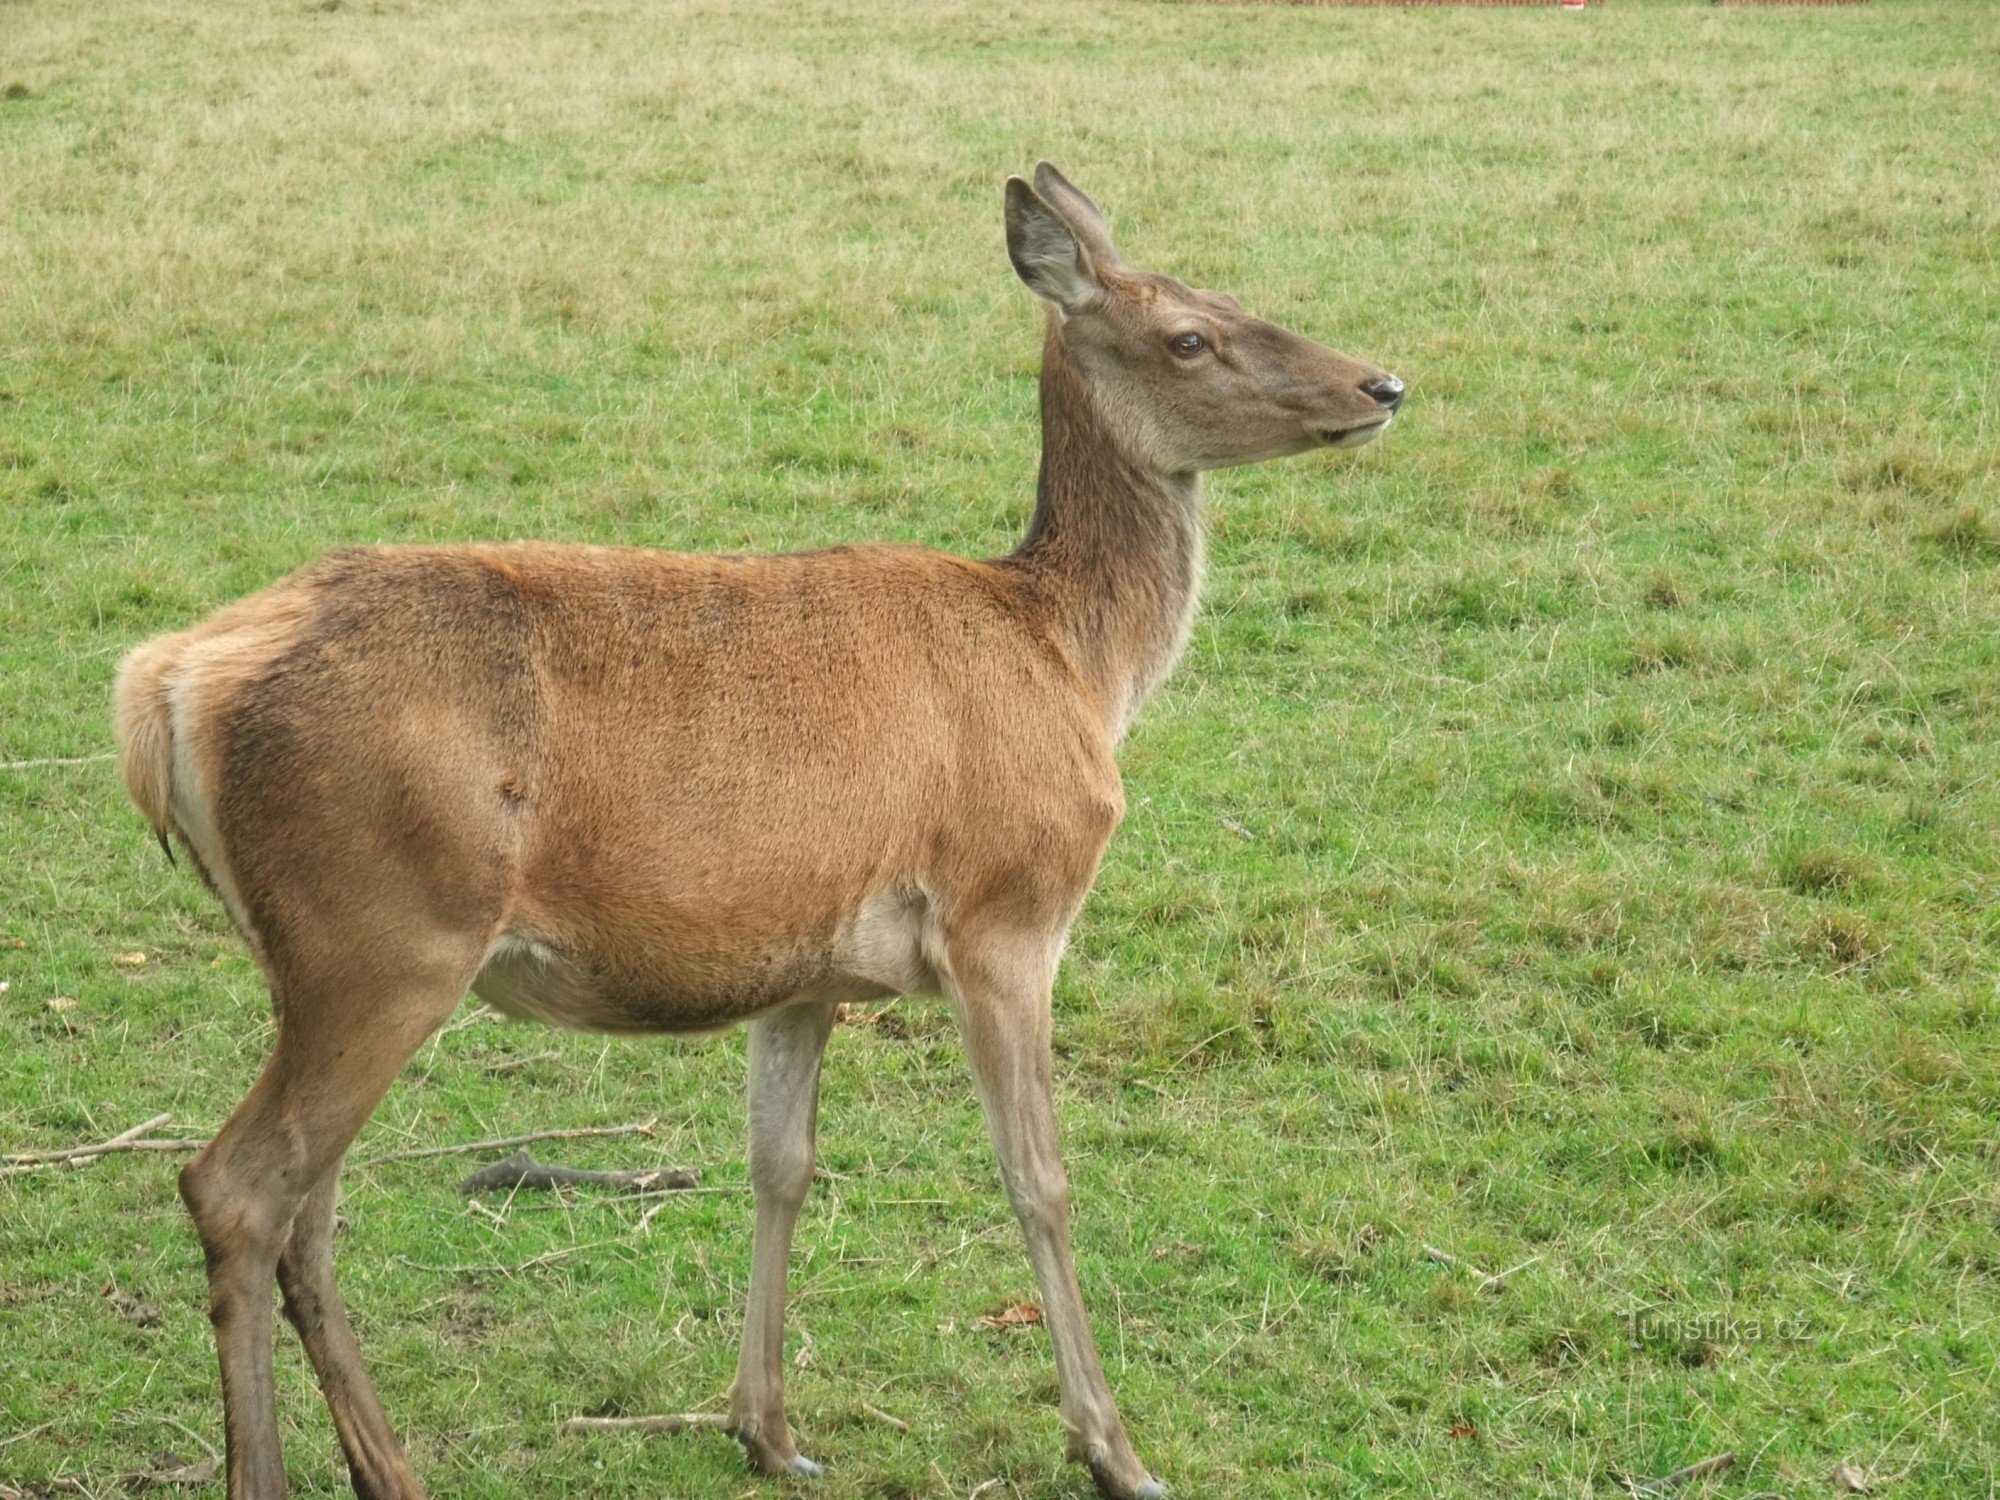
x=635 y=791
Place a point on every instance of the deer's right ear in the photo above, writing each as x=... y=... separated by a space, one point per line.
x=1045 y=251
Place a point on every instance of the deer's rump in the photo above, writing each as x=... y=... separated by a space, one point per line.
x=656 y=792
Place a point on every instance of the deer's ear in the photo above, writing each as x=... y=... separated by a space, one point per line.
x=1084 y=217
x=1045 y=251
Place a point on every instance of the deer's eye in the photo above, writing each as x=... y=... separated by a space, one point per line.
x=1187 y=345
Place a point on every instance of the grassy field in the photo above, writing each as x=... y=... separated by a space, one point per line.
x=1569 y=844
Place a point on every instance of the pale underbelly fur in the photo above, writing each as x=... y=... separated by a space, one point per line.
x=892 y=945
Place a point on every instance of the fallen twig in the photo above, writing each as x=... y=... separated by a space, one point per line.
x=122 y=1148
x=884 y=1418
x=1669 y=1482
x=125 y=1140
x=675 y=1422
x=646 y=1218
x=205 y=1445
x=1020 y=1315
x=640 y=1127
x=522 y=1171
x=172 y=1471
x=26 y=1433
x=547 y=1257
x=1486 y=1283
x=73 y=1153
x=162 y=1143
x=56 y=760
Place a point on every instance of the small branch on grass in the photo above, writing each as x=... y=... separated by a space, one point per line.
x=75 y=1153
x=675 y=1422
x=480 y=1208
x=1446 y=1258
x=1666 y=1484
x=548 y=1257
x=56 y=760
x=640 y=1127
x=879 y=1415
x=125 y=1140
x=646 y=1218
x=522 y=1171
x=162 y=1143
x=23 y=1436
x=1486 y=1283
x=172 y=1471
x=1498 y=1281
x=206 y=1446
x=933 y=1258
x=652 y=1213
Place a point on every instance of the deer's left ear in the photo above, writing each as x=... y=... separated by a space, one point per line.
x=1046 y=253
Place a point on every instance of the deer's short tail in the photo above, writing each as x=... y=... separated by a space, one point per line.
x=142 y=717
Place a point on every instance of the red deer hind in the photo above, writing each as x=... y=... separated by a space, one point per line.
x=638 y=791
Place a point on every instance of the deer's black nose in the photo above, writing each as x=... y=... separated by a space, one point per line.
x=1387 y=390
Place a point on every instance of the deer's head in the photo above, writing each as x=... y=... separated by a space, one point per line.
x=1185 y=379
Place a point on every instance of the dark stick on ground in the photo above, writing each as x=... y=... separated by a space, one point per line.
x=1679 y=1477
x=522 y=1171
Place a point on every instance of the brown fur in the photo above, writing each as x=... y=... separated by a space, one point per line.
x=635 y=791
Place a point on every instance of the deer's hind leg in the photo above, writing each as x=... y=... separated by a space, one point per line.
x=261 y=1194
x=312 y=1304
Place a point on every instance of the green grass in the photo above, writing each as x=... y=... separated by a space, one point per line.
x=1569 y=843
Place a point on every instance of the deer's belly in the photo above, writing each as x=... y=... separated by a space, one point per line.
x=525 y=978
x=887 y=947
x=531 y=980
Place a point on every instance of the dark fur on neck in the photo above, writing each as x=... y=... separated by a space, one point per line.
x=1115 y=547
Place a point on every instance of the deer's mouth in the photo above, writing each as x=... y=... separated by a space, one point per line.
x=1354 y=437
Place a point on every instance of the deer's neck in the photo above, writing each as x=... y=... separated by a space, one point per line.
x=1115 y=548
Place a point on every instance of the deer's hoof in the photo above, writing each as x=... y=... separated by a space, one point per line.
x=1112 y=1486
x=804 y=1468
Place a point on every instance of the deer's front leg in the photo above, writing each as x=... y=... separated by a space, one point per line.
x=1003 y=998
x=785 y=1052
